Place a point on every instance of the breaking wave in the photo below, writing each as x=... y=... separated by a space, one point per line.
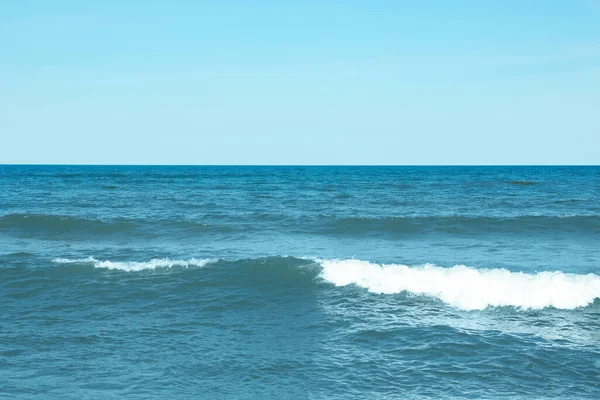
x=131 y=266
x=463 y=287
x=468 y=288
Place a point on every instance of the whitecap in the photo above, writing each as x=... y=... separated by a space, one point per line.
x=131 y=266
x=465 y=287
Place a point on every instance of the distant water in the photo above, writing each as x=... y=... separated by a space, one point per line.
x=299 y=282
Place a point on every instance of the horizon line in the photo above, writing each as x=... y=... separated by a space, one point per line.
x=294 y=165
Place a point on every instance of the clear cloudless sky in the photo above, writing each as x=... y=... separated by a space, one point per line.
x=300 y=82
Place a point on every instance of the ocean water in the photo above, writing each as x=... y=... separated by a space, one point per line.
x=299 y=282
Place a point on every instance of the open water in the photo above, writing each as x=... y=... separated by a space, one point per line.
x=299 y=282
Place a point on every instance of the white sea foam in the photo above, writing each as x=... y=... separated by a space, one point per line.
x=136 y=265
x=468 y=288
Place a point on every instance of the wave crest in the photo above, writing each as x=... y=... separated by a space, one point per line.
x=131 y=266
x=463 y=287
x=468 y=288
x=457 y=224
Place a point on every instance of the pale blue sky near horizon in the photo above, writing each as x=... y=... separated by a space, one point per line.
x=302 y=82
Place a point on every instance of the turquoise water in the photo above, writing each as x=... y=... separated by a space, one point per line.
x=299 y=282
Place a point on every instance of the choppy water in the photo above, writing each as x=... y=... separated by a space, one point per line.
x=299 y=282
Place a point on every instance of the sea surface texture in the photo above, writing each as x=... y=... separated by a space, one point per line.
x=299 y=282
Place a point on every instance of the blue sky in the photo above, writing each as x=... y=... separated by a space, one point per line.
x=303 y=82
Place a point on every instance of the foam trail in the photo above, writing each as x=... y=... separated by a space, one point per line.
x=468 y=288
x=131 y=266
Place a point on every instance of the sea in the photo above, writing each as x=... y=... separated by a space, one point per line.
x=336 y=282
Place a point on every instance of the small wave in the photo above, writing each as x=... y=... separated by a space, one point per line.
x=68 y=175
x=405 y=225
x=568 y=201
x=62 y=223
x=468 y=288
x=41 y=224
x=166 y=175
x=131 y=266
x=521 y=183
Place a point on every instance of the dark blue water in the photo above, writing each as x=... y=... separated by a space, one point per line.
x=299 y=282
